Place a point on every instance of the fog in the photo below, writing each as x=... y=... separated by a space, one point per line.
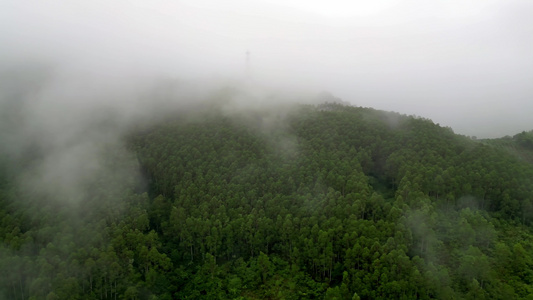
x=463 y=65
x=75 y=76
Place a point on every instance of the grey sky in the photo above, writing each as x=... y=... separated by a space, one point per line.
x=464 y=64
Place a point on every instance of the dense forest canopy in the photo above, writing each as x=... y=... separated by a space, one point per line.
x=324 y=201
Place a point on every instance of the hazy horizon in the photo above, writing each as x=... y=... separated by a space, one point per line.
x=463 y=65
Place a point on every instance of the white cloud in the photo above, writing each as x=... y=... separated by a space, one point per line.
x=388 y=54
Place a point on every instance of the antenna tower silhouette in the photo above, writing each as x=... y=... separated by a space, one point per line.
x=248 y=71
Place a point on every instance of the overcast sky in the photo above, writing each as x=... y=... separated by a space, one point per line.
x=463 y=64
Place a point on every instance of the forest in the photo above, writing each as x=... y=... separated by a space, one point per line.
x=326 y=201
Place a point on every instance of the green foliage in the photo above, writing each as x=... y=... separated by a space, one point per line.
x=326 y=202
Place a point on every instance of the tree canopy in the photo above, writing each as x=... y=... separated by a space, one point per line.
x=312 y=202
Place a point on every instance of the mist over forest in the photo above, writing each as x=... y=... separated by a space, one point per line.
x=466 y=66
x=266 y=150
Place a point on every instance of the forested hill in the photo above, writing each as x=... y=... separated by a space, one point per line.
x=520 y=145
x=306 y=202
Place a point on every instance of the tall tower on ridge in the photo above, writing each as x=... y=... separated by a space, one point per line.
x=248 y=68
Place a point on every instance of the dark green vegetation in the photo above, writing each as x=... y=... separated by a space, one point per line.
x=327 y=202
x=520 y=145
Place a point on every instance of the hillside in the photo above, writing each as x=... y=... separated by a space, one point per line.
x=298 y=202
x=520 y=145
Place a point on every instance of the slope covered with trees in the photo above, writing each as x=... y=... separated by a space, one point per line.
x=520 y=145
x=311 y=202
